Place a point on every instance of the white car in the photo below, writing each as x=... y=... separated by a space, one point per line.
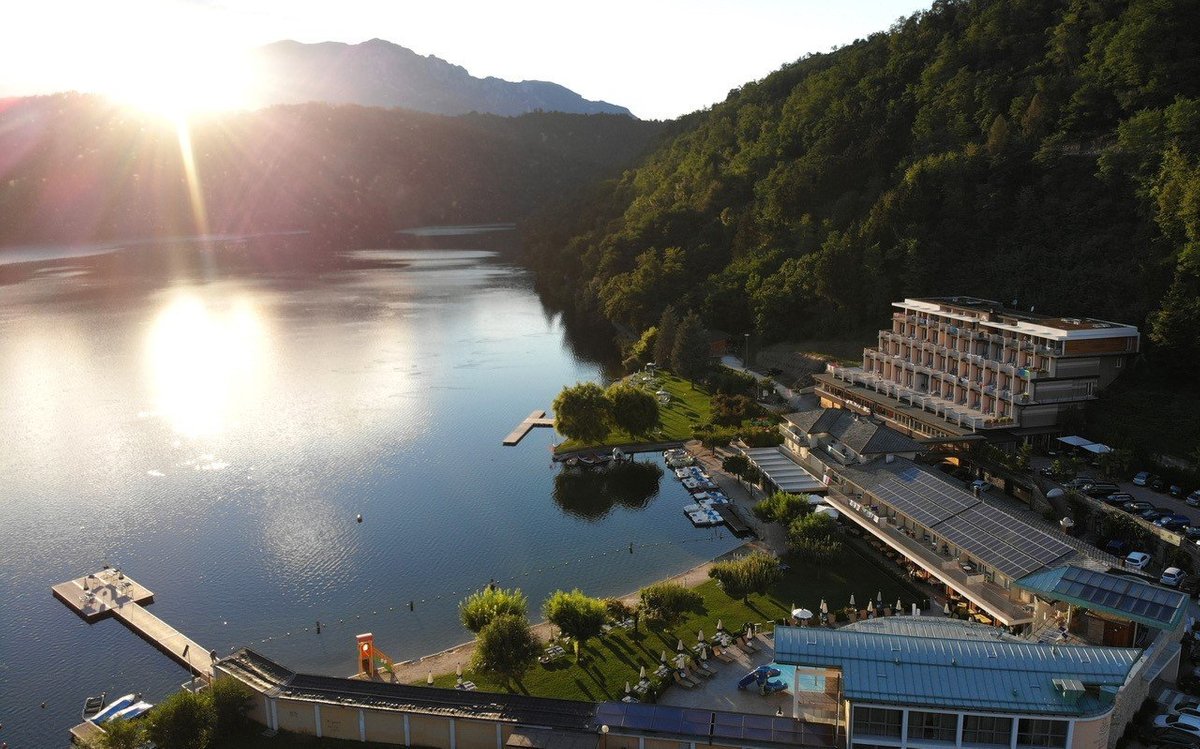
x=1172 y=576
x=1189 y=724
x=1137 y=560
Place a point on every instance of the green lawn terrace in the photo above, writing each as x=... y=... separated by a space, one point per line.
x=688 y=406
x=606 y=663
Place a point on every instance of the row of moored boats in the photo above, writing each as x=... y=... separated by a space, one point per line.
x=705 y=494
x=128 y=707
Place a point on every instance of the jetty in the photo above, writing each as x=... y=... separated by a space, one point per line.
x=733 y=520
x=112 y=593
x=535 y=419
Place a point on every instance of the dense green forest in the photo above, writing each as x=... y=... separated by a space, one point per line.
x=1045 y=151
x=79 y=168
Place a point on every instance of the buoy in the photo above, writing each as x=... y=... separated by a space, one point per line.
x=358 y=517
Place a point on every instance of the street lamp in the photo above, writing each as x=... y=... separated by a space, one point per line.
x=604 y=736
x=746 y=351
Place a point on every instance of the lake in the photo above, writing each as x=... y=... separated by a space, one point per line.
x=211 y=417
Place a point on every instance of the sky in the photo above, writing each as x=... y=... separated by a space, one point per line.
x=659 y=58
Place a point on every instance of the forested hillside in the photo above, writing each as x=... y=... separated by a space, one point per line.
x=1039 y=150
x=79 y=168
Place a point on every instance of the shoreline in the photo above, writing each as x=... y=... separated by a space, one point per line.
x=447 y=661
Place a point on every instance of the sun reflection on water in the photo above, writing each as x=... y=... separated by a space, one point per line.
x=207 y=362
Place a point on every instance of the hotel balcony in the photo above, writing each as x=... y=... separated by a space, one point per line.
x=947 y=409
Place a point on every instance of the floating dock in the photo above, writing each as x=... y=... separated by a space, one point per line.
x=110 y=592
x=535 y=419
x=733 y=520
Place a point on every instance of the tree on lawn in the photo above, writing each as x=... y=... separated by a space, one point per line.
x=575 y=614
x=664 y=340
x=182 y=721
x=667 y=601
x=633 y=410
x=812 y=536
x=506 y=647
x=689 y=355
x=481 y=607
x=583 y=413
x=755 y=573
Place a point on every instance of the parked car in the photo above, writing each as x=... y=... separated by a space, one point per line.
x=1173 y=521
x=1189 y=724
x=1152 y=515
x=1191 y=531
x=1078 y=483
x=980 y=485
x=1157 y=484
x=1100 y=489
x=1137 y=560
x=1137 y=506
x=1141 y=478
x=1169 y=736
x=1118 y=499
x=1116 y=546
x=1171 y=577
x=1175 y=490
x=1193 y=499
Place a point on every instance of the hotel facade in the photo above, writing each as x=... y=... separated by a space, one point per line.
x=962 y=367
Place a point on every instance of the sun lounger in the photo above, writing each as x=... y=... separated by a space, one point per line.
x=705 y=671
x=662 y=672
x=684 y=681
x=745 y=644
x=719 y=652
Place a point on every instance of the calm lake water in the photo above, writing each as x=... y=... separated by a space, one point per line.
x=212 y=419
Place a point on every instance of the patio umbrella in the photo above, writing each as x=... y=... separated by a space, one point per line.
x=458 y=671
x=680 y=660
x=704 y=656
x=899 y=605
x=700 y=637
x=679 y=647
x=851 y=599
x=663 y=658
x=801 y=614
x=429 y=679
x=824 y=607
x=720 y=625
x=916 y=611
x=627 y=689
x=946 y=608
x=642 y=674
x=879 y=597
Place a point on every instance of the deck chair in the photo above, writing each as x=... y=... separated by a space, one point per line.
x=684 y=681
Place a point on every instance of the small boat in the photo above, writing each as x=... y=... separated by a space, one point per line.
x=133 y=711
x=682 y=473
x=93 y=705
x=115 y=707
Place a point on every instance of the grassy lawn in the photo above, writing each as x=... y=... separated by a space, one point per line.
x=606 y=663
x=689 y=405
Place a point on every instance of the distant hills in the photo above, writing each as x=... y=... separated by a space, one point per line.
x=378 y=73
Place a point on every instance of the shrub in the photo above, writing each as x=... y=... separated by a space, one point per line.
x=813 y=537
x=231 y=701
x=755 y=573
x=184 y=720
x=575 y=614
x=479 y=608
x=668 y=601
x=731 y=410
x=731 y=382
x=782 y=507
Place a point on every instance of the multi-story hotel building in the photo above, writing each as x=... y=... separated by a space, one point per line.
x=955 y=366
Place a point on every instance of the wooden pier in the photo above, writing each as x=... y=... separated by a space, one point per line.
x=733 y=520
x=110 y=592
x=113 y=593
x=535 y=419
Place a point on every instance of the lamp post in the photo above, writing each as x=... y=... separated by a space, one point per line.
x=604 y=736
x=746 y=351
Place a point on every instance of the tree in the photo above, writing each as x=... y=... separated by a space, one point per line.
x=122 y=734
x=736 y=465
x=782 y=507
x=575 y=614
x=664 y=341
x=689 y=355
x=641 y=351
x=755 y=573
x=231 y=701
x=667 y=601
x=184 y=720
x=482 y=606
x=506 y=647
x=732 y=410
x=812 y=536
x=583 y=413
x=633 y=410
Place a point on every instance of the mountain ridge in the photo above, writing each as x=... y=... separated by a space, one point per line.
x=379 y=73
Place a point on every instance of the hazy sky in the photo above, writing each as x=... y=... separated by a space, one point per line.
x=659 y=58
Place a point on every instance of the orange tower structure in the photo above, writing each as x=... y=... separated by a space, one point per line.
x=366 y=655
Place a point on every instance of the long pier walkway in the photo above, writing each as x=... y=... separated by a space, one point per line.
x=110 y=592
x=535 y=419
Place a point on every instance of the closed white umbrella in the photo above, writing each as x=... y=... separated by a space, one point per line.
x=824 y=607
x=680 y=660
x=851 y=599
x=663 y=658
x=946 y=608
x=642 y=674
x=429 y=679
x=916 y=612
x=700 y=637
x=899 y=605
x=720 y=625
x=879 y=597
x=628 y=689
x=679 y=647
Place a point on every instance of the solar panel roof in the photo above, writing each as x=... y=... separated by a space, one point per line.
x=923 y=498
x=710 y=724
x=1129 y=597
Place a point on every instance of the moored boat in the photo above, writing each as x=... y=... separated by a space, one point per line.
x=133 y=711
x=93 y=705
x=115 y=707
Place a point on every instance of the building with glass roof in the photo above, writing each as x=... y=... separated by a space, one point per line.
x=933 y=683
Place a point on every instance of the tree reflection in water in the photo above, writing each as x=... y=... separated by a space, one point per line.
x=591 y=493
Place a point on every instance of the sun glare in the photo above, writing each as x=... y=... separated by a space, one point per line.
x=181 y=82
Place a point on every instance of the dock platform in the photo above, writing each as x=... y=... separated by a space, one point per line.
x=733 y=520
x=110 y=592
x=535 y=419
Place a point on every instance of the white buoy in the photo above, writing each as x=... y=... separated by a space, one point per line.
x=358 y=518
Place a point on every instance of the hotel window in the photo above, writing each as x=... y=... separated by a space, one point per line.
x=877 y=721
x=1042 y=733
x=987 y=730
x=942 y=727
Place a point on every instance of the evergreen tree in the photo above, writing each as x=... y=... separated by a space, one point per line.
x=664 y=342
x=689 y=356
